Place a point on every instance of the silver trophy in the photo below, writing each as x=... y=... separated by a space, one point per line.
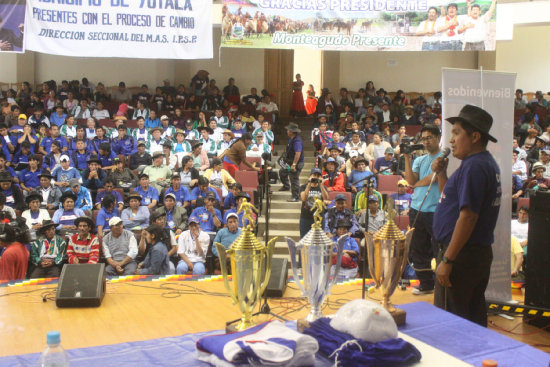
x=317 y=251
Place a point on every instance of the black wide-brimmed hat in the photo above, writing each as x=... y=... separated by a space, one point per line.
x=477 y=118
x=33 y=196
x=45 y=173
x=293 y=127
x=45 y=225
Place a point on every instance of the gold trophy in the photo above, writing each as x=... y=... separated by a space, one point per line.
x=388 y=251
x=247 y=257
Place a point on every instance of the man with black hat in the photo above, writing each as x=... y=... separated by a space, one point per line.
x=141 y=158
x=308 y=192
x=83 y=246
x=466 y=216
x=93 y=177
x=159 y=174
x=34 y=216
x=14 y=196
x=50 y=193
x=122 y=177
x=293 y=157
x=47 y=252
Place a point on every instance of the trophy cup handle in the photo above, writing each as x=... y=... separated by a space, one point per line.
x=292 y=249
x=223 y=266
x=340 y=250
x=269 y=249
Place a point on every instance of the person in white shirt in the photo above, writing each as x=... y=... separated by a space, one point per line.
x=520 y=227
x=266 y=106
x=475 y=26
x=545 y=161
x=449 y=30
x=426 y=29
x=519 y=167
x=192 y=248
x=100 y=112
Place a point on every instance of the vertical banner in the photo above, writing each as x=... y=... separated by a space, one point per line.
x=12 y=20
x=149 y=29
x=493 y=92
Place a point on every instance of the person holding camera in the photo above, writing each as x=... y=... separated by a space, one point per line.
x=419 y=175
x=308 y=192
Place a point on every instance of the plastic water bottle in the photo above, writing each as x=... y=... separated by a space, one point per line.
x=54 y=355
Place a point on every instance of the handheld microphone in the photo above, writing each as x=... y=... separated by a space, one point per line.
x=445 y=152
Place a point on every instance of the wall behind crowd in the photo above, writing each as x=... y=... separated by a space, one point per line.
x=527 y=55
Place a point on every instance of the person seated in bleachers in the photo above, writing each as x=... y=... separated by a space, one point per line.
x=83 y=247
x=349 y=264
x=361 y=199
x=157 y=261
x=14 y=195
x=383 y=114
x=154 y=144
x=221 y=121
x=516 y=260
x=153 y=121
x=229 y=201
x=402 y=198
x=93 y=177
x=198 y=193
x=522 y=154
x=237 y=128
x=64 y=217
x=239 y=199
x=81 y=156
x=210 y=218
x=383 y=165
x=136 y=216
x=57 y=118
x=350 y=163
x=356 y=144
x=149 y=194
x=94 y=144
x=520 y=227
x=333 y=179
x=191 y=133
x=38 y=117
x=28 y=179
x=377 y=217
x=355 y=126
x=537 y=181
x=80 y=135
x=408 y=118
x=360 y=173
x=109 y=189
x=120 y=249
x=226 y=236
x=268 y=106
x=141 y=132
x=159 y=219
x=259 y=148
x=46 y=142
x=169 y=160
x=159 y=174
x=181 y=193
x=225 y=143
x=82 y=110
x=121 y=177
x=83 y=197
x=6 y=211
x=519 y=168
x=192 y=248
x=20 y=160
x=47 y=252
x=34 y=216
x=123 y=144
x=399 y=136
x=265 y=127
x=209 y=145
x=427 y=117
x=176 y=217
x=218 y=177
x=321 y=137
x=168 y=130
x=52 y=160
x=100 y=112
x=109 y=209
x=376 y=149
x=545 y=161
x=141 y=110
x=338 y=212
x=181 y=146
x=140 y=159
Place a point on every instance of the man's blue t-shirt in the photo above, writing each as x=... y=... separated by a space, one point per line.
x=475 y=185
x=197 y=192
x=147 y=196
x=206 y=219
x=29 y=178
x=423 y=167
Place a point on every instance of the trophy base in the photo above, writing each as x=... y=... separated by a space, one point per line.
x=399 y=316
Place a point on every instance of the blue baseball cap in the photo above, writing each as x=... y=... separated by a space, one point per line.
x=316 y=170
x=340 y=197
x=373 y=198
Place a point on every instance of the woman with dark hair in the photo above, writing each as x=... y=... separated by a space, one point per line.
x=370 y=90
x=157 y=261
x=189 y=174
x=236 y=155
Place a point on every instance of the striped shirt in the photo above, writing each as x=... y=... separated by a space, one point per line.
x=83 y=251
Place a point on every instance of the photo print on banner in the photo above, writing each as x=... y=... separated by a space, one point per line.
x=12 y=20
x=149 y=29
x=362 y=25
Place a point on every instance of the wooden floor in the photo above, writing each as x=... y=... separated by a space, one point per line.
x=146 y=310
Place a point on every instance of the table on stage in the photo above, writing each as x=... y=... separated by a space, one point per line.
x=144 y=311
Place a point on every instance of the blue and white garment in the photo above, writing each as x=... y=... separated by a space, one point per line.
x=271 y=343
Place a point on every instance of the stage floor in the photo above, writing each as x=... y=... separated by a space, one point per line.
x=133 y=311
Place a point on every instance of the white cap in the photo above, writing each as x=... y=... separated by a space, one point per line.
x=164 y=117
x=114 y=221
x=353 y=153
x=64 y=157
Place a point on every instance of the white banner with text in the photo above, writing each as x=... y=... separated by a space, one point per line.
x=150 y=29
x=494 y=92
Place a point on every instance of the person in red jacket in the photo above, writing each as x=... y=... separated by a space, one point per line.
x=333 y=179
x=83 y=247
x=15 y=259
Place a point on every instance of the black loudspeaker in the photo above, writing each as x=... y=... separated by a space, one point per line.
x=279 y=277
x=537 y=270
x=81 y=285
